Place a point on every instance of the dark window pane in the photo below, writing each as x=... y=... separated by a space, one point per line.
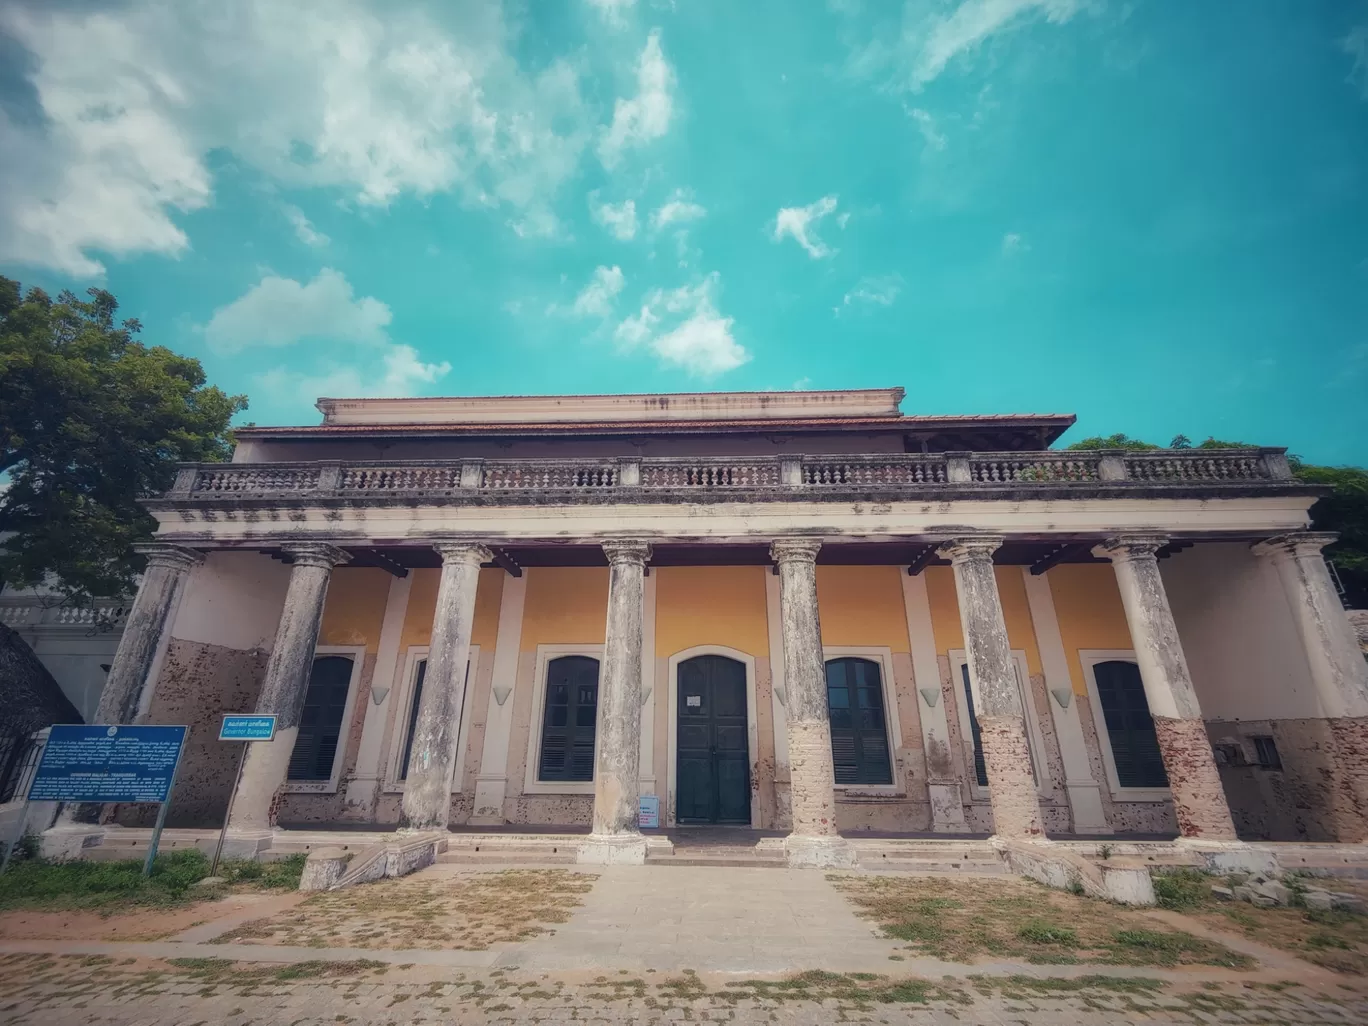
x=859 y=741
x=980 y=767
x=1130 y=728
x=569 y=720
x=320 y=722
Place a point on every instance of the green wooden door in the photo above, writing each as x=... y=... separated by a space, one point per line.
x=712 y=776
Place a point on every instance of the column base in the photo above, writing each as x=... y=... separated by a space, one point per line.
x=245 y=844
x=829 y=852
x=947 y=809
x=69 y=840
x=1229 y=856
x=1085 y=802
x=612 y=850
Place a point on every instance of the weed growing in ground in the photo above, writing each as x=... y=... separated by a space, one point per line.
x=1182 y=889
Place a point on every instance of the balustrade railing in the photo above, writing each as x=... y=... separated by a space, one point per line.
x=784 y=474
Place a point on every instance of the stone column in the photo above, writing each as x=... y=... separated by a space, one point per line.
x=437 y=731
x=997 y=694
x=127 y=687
x=285 y=685
x=813 y=841
x=616 y=838
x=1338 y=669
x=1198 y=800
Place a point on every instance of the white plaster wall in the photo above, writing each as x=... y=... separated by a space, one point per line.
x=1239 y=635
x=234 y=599
x=77 y=664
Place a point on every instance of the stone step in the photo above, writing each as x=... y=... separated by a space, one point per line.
x=720 y=856
x=510 y=858
x=974 y=866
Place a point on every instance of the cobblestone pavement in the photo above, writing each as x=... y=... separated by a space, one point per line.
x=67 y=990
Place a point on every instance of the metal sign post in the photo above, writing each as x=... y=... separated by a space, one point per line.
x=161 y=822
x=245 y=729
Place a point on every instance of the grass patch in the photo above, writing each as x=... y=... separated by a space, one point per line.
x=466 y=912
x=962 y=921
x=1182 y=889
x=49 y=885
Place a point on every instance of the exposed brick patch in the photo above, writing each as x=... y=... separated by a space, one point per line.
x=1351 y=741
x=1016 y=802
x=811 y=773
x=1199 y=801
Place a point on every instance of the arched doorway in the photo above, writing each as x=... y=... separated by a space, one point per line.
x=712 y=755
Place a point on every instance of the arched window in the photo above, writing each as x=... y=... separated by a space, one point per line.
x=320 y=723
x=1130 y=728
x=568 y=721
x=859 y=730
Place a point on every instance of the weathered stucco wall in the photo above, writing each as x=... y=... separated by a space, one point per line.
x=711 y=605
x=1088 y=604
x=1239 y=635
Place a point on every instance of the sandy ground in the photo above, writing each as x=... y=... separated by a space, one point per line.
x=123 y=925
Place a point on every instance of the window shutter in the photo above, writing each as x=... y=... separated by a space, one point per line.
x=1130 y=728
x=569 y=720
x=859 y=732
x=320 y=721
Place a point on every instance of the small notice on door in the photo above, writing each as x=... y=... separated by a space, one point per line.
x=648 y=812
x=692 y=701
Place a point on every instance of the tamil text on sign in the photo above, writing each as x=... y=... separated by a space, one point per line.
x=107 y=764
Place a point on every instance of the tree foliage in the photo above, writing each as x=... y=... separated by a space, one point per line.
x=91 y=420
x=1344 y=510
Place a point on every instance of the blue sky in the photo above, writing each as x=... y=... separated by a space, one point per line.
x=1153 y=213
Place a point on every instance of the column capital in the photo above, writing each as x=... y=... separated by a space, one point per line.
x=1296 y=543
x=319 y=554
x=795 y=550
x=626 y=551
x=1130 y=546
x=173 y=557
x=469 y=552
x=970 y=548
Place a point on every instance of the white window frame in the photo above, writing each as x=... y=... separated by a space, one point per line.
x=414 y=655
x=892 y=725
x=1039 y=763
x=531 y=785
x=1090 y=657
x=329 y=786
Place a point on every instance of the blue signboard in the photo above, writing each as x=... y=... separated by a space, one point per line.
x=247 y=728
x=108 y=764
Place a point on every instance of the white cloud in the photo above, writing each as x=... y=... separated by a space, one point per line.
x=798 y=222
x=619 y=220
x=646 y=116
x=679 y=208
x=1355 y=44
x=280 y=311
x=684 y=328
x=308 y=234
x=931 y=36
x=879 y=290
x=596 y=298
x=347 y=94
x=344 y=338
x=1014 y=243
x=613 y=12
x=934 y=138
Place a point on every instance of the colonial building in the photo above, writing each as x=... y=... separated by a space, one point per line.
x=797 y=611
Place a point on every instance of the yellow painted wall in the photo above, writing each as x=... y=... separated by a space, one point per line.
x=422 y=606
x=711 y=605
x=565 y=605
x=1090 y=613
x=862 y=605
x=355 y=607
x=945 y=617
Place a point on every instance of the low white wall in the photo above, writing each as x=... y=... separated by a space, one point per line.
x=1238 y=633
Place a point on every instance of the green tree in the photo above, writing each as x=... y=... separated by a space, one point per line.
x=91 y=420
x=1344 y=510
